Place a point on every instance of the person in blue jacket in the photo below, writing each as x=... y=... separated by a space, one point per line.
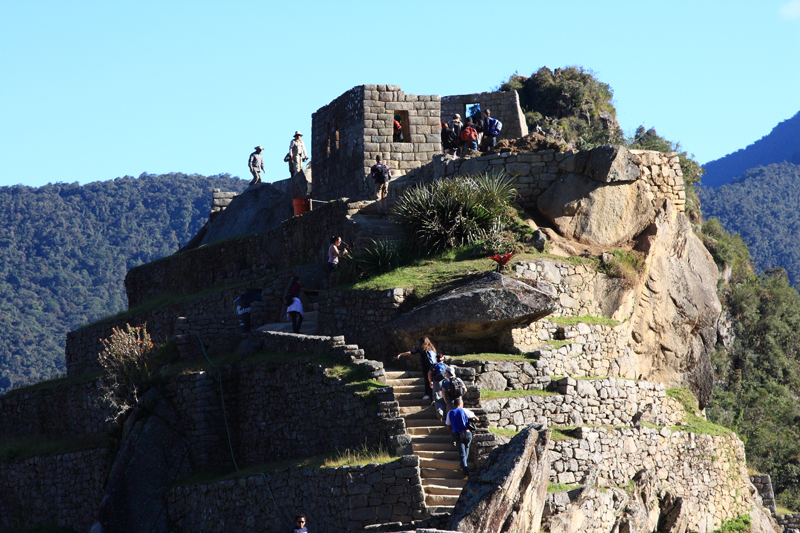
x=458 y=422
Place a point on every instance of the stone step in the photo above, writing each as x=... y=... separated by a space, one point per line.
x=437 y=500
x=447 y=484
x=406 y=389
x=407 y=382
x=413 y=402
x=403 y=374
x=439 y=509
x=423 y=422
x=307 y=328
x=436 y=476
x=449 y=455
x=428 y=430
x=440 y=464
x=409 y=396
x=411 y=409
x=432 y=446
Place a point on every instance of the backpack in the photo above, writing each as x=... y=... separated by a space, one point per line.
x=288 y=300
x=456 y=388
x=438 y=371
x=469 y=134
x=381 y=173
x=495 y=127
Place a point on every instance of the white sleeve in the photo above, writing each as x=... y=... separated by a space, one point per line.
x=469 y=413
x=447 y=421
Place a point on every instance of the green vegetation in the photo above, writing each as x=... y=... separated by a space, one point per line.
x=585 y=319
x=572 y=102
x=492 y=394
x=555 y=344
x=693 y=420
x=503 y=432
x=625 y=265
x=562 y=433
x=740 y=524
x=18 y=448
x=65 y=249
x=360 y=456
x=562 y=487
x=761 y=207
x=502 y=357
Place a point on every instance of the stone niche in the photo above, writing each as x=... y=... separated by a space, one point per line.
x=503 y=105
x=349 y=132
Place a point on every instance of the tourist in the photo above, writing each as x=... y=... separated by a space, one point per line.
x=427 y=358
x=456 y=125
x=449 y=140
x=381 y=175
x=300 y=524
x=458 y=420
x=334 y=254
x=491 y=129
x=297 y=154
x=435 y=377
x=469 y=137
x=398 y=129
x=256 y=164
x=452 y=387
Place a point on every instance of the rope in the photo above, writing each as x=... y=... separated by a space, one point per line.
x=227 y=430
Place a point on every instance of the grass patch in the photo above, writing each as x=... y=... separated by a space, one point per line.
x=556 y=344
x=492 y=394
x=19 y=448
x=362 y=455
x=502 y=357
x=562 y=433
x=693 y=420
x=359 y=456
x=56 y=383
x=503 y=432
x=740 y=524
x=585 y=319
x=780 y=509
x=562 y=487
x=625 y=265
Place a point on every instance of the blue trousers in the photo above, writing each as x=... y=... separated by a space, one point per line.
x=464 y=439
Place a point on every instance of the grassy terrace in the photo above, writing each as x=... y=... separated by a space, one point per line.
x=360 y=456
x=491 y=394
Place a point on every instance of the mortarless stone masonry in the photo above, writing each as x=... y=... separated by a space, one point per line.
x=504 y=106
x=350 y=131
x=333 y=499
x=63 y=490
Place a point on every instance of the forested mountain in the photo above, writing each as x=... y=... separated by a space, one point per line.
x=762 y=206
x=65 y=250
x=782 y=144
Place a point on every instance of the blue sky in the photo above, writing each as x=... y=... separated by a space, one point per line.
x=96 y=90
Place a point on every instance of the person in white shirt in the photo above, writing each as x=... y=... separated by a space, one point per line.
x=297 y=154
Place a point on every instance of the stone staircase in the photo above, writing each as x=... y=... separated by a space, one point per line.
x=442 y=479
x=309 y=326
x=369 y=225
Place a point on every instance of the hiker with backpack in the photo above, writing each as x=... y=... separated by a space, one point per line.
x=427 y=358
x=449 y=140
x=435 y=377
x=452 y=387
x=491 y=129
x=458 y=420
x=469 y=137
x=381 y=175
x=457 y=126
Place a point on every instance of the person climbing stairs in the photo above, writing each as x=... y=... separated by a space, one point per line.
x=431 y=440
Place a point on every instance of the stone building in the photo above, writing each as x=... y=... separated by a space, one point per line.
x=349 y=132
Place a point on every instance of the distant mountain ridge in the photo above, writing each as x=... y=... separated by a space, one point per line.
x=781 y=144
x=65 y=249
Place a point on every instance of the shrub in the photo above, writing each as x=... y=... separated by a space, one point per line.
x=378 y=257
x=454 y=212
x=124 y=357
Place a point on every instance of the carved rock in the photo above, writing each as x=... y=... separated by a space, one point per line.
x=508 y=492
x=481 y=309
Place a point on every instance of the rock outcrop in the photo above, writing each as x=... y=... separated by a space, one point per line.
x=257 y=209
x=674 y=325
x=508 y=493
x=481 y=309
x=153 y=454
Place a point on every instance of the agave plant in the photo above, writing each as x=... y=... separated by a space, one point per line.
x=453 y=212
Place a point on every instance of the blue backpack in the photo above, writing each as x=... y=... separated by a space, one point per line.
x=495 y=127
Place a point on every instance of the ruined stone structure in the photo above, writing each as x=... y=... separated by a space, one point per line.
x=350 y=131
x=504 y=106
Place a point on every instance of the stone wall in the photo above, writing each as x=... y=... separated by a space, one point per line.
x=334 y=500
x=277 y=411
x=67 y=411
x=763 y=484
x=504 y=106
x=709 y=472
x=220 y=200
x=788 y=521
x=350 y=131
x=303 y=239
x=534 y=172
x=601 y=402
x=63 y=490
x=363 y=315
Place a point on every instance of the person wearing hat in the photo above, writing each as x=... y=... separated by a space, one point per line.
x=256 y=164
x=297 y=154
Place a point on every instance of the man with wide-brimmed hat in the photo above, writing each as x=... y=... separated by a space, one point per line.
x=256 y=164
x=297 y=154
